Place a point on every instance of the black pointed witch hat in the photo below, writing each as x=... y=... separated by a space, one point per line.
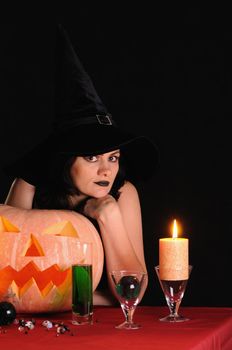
x=76 y=98
x=82 y=124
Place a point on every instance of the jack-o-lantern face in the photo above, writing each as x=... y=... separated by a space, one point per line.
x=37 y=249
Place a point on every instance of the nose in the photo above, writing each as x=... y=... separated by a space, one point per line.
x=104 y=168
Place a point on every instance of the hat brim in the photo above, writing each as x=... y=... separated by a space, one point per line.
x=140 y=154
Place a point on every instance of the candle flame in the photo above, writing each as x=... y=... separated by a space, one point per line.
x=175 y=230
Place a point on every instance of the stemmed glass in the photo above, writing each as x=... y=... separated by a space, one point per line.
x=129 y=290
x=173 y=292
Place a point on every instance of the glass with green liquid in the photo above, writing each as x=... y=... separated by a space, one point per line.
x=82 y=286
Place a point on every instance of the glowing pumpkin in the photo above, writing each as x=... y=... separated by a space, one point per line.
x=37 y=249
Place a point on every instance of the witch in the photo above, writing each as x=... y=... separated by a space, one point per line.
x=90 y=165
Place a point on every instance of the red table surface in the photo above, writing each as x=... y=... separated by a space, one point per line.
x=207 y=329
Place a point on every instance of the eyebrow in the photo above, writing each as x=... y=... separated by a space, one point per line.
x=116 y=152
x=110 y=154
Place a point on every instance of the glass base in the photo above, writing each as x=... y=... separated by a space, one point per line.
x=174 y=318
x=79 y=320
x=128 y=325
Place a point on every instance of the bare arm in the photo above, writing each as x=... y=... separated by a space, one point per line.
x=21 y=194
x=121 y=229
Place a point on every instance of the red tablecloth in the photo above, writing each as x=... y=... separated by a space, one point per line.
x=207 y=329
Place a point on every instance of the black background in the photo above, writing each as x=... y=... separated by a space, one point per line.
x=164 y=72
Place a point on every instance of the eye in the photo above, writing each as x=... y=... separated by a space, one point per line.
x=114 y=159
x=7 y=226
x=91 y=158
x=61 y=228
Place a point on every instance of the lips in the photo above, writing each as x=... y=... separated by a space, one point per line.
x=102 y=183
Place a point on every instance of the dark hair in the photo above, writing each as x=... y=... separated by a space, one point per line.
x=55 y=194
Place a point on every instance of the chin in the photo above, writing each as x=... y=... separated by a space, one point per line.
x=100 y=194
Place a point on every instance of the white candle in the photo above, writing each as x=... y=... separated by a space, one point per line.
x=174 y=257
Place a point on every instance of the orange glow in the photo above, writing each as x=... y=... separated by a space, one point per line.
x=175 y=229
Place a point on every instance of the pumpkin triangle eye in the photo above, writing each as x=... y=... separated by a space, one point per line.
x=7 y=226
x=62 y=228
x=33 y=248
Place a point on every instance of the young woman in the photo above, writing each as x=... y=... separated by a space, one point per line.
x=119 y=220
x=90 y=165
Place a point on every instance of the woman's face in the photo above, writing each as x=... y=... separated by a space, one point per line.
x=94 y=176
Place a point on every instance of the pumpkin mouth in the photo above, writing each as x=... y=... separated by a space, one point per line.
x=20 y=281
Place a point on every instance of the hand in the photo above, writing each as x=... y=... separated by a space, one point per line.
x=98 y=207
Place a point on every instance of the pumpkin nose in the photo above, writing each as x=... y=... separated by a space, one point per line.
x=33 y=248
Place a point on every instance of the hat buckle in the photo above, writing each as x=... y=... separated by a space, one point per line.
x=104 y=119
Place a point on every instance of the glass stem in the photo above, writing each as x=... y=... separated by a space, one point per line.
x=128 y=314
x=174 y=307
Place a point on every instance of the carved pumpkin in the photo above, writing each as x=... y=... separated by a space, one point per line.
x=37 y=249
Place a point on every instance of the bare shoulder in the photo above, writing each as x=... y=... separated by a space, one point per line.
x=21 y=194
x=129 y=203
x=21 y=185
x=128 y=191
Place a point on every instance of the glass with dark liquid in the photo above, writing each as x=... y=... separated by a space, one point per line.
x=174 y=292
